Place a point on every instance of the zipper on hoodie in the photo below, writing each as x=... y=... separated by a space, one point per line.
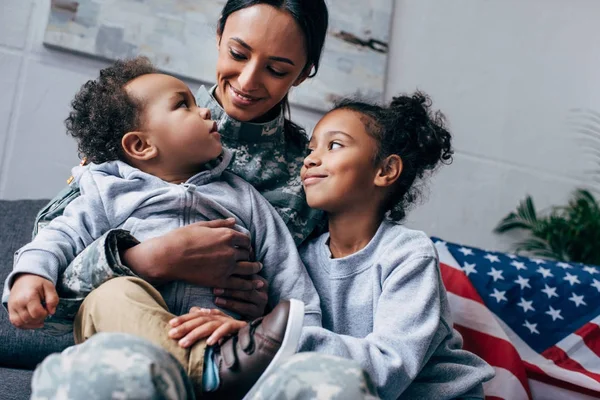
x=188 y=202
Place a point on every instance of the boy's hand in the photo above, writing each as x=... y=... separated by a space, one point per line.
x=32 y=299
x=200 y=323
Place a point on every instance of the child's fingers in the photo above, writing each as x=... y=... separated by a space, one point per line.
x=194 y=313
x=24 y=321
x=50 y=297
x=208 y=311
x=15 y=318
x=182 y=319
x=200 y=332
x=36 y=311
x=228 y=328
x=188 y=326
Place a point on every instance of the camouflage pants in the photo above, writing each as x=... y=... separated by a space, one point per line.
x=121 y=366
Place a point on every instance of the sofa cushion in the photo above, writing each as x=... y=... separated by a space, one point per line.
x=21 y=348
x=15 y=384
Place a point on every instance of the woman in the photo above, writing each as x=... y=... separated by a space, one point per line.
x=256 y=69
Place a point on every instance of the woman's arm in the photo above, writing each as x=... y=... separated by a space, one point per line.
x=208 y=253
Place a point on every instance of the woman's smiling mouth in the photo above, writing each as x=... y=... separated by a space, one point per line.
x=241 y=99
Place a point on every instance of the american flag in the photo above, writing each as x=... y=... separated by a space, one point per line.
x=533 y=320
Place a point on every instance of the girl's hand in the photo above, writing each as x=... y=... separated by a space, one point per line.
x=200 y=323
x=250 y=304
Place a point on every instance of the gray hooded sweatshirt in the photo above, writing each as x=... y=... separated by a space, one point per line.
x=385 y=306
x=117 y=195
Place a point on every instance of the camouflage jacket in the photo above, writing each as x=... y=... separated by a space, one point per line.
x=261 y=155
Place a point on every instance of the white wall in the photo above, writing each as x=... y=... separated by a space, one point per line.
x=505 y=72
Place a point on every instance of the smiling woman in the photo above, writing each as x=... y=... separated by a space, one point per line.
x=257 y=67
x=253 y=78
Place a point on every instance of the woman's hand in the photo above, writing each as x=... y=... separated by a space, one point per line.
x=200 y=323
x=208 y=253
x=250 y=304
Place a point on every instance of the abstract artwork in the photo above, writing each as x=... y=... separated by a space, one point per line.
x=179 y=37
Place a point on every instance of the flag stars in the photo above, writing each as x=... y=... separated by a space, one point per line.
x=526 y=305
x=492 y=258
x=555 y=314
x=572 y=279
x=532 y=327
x=563 y=265
x=578 y=300
x=590 y=270
x=551 y=291
x=545 y=272
x=523 y=282
x=469 y=268
x=596 y=284
x=499 y=295
x=496 y=274
x=537 y=261
x=511 y=256
x=466 y=251
x=518 y=265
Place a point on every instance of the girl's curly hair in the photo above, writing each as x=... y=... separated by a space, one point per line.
x=102 y=111
x=409 y=128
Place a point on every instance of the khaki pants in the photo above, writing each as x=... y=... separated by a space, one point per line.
x=131 y=305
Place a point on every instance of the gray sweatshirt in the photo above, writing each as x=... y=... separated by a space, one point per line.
x=117 y=195
x=385 y=306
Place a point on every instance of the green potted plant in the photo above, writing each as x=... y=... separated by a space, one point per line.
x=568 y=233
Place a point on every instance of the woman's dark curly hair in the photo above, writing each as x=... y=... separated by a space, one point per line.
x=409 y=128
x=102 y=111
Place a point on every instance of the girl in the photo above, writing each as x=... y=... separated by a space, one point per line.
x=382 y=297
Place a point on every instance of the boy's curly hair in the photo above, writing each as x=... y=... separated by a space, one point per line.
x=409 y=128
x=102 y=111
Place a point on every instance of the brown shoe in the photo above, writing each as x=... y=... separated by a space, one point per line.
x=257 y=348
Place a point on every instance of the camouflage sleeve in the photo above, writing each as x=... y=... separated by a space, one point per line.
x=55 y=207
x=98 y=263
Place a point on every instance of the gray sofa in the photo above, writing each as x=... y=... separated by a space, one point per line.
x=20 y=351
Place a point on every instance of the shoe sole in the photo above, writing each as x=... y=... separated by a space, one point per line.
x=291 y=338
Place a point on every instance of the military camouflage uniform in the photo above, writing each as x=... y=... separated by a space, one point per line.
x=112 y=365
x=122 y=366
